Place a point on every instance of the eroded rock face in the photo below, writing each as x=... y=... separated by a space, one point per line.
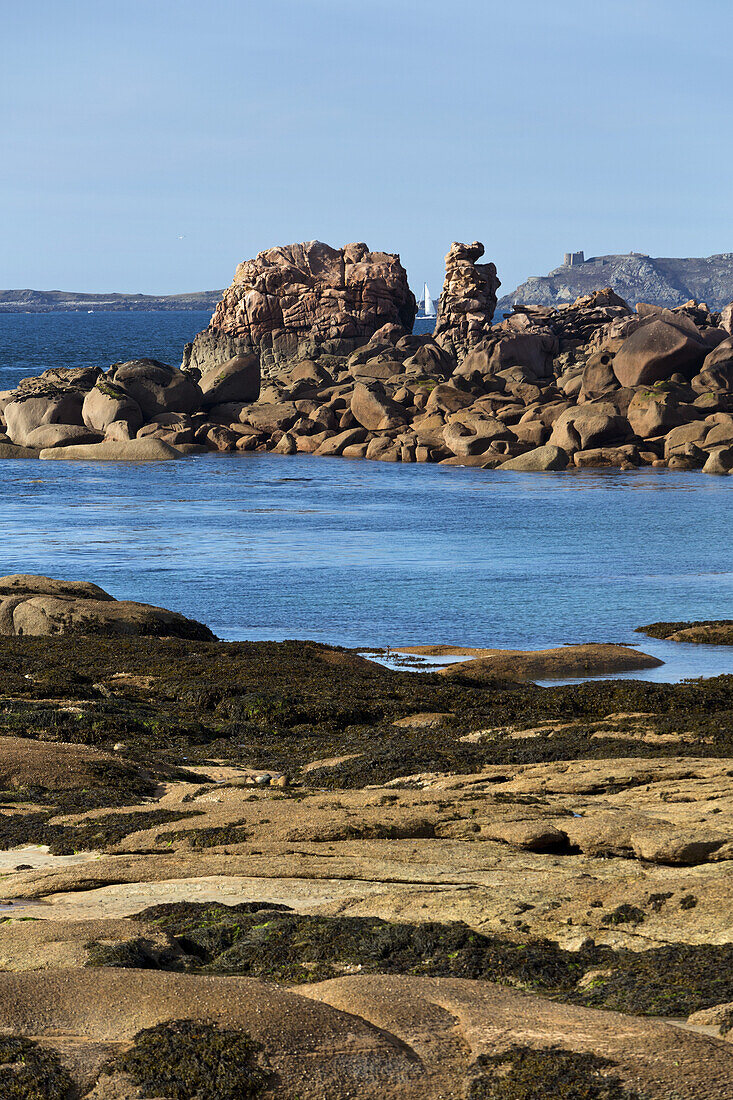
x=106 y=403
x=658 y=349
x=156 y=387
x=289 y=299
x=467 y=301
x=40 y=606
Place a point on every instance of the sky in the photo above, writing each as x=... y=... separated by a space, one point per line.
x=151 y=145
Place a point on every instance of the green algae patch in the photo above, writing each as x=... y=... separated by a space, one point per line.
x=182 y=1059
x=702 y=632
x=525 y=1073
x=277 y=945
x=270 y=942
x=31 y=1072
x=675 y=980
x=96 y=834
x=278 y=706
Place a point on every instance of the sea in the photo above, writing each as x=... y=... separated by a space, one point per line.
x=364 y=554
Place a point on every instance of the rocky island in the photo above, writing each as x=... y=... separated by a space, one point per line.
x=310 y=351
x=281 y=870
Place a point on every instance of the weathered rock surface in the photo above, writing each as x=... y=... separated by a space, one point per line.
x=106 y=404
x=156 y=387
x=565 y=662
x=465 y=869
x=378 y=1037
x=467 y=300
x=288 y=299
x=61 y=435
x=147 y=449
x=712 y=632
x=309 y=346
x=39 y=605
x=24 y=415
x=237 y=379
x=657 y=350
x=548 y=457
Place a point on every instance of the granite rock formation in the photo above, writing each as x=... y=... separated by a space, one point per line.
x=589 y=383
x=31 y=605
x=290 y=300
x=467 y=300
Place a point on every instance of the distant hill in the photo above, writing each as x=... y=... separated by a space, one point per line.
x=636 y=277
x=57 y=301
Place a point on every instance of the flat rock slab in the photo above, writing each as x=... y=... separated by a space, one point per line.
x=551 y=664
x=125 y=899
x=147 y=449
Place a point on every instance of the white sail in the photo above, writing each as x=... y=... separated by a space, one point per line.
x=429 y=307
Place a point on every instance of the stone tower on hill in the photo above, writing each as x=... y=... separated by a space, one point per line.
x=634 y=276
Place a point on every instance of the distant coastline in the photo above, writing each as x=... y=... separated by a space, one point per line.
x=64 y=301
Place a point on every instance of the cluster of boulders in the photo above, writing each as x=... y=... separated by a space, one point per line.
x=311 y=351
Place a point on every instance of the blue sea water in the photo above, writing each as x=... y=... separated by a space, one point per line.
x=32 y=342
x=367 y=553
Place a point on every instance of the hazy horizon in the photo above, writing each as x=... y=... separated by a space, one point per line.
x=150 y=148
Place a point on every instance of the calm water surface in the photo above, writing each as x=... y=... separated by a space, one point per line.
x=374 y=554
x=365 y=554
x=32 y=342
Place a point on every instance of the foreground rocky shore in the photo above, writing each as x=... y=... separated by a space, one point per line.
x=281 y=870
x=311 y=351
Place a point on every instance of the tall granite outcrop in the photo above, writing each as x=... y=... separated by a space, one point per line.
x=290 y=301
x=467 y=301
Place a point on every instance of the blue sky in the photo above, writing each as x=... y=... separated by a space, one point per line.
x=152 y=144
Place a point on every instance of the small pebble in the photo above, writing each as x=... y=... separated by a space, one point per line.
x=263 y=780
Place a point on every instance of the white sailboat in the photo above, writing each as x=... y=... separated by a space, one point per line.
x=428 y=305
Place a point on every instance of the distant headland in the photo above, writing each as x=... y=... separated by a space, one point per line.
x=68 y=301
x=636 y=277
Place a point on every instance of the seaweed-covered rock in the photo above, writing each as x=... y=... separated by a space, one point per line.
x=528 y=1073
x=29 y=1071
x=703 y=632
x=183 y=1059
x=106 y=404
